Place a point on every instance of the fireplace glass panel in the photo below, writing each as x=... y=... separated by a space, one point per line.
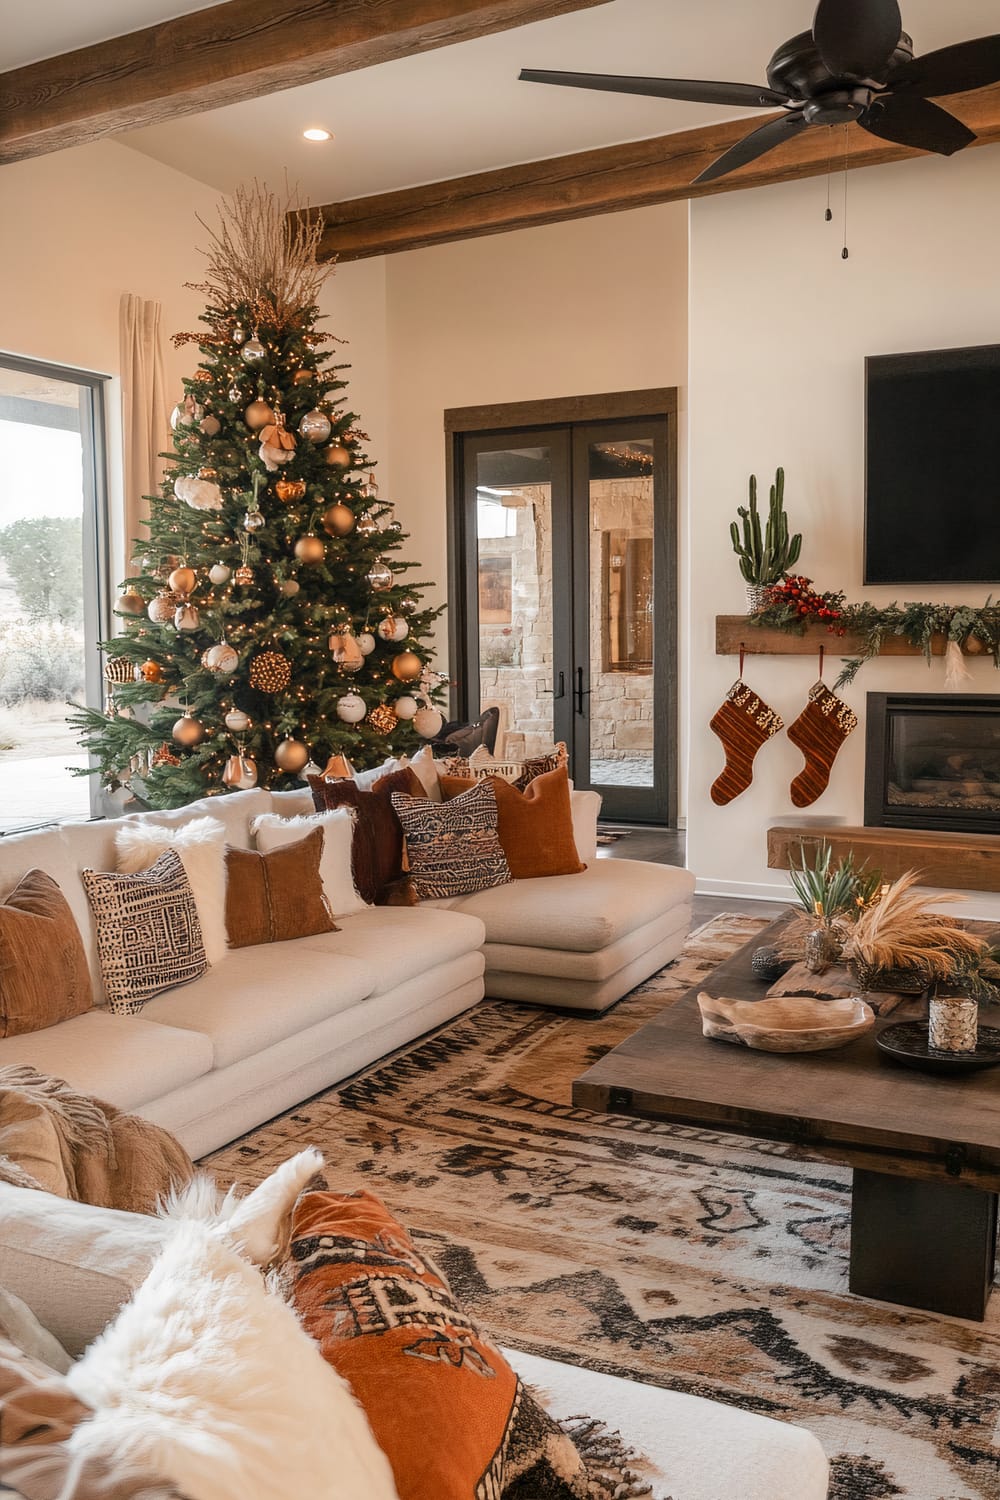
x=939 y=759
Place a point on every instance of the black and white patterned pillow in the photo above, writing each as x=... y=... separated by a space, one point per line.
x=148 y=933
x=453 y=847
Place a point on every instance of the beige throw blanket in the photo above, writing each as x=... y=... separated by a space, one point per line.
x=78 y=1147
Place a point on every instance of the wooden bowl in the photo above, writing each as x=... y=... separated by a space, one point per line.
x=794 y=1023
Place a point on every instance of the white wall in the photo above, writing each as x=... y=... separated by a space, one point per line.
x=562 y=310
x=779 y=328
x=80 y=227
x=353 y=306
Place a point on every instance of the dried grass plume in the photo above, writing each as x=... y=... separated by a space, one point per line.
x=901 y=932
x=263 y=253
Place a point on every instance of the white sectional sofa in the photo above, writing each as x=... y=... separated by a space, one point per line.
x=74 y=1266
x=271 y=1025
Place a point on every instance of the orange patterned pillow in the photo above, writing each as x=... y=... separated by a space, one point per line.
x=444 y=1405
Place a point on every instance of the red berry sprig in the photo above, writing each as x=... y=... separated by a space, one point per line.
x=797 y=598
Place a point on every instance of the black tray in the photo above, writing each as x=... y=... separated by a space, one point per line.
x=906 y=1042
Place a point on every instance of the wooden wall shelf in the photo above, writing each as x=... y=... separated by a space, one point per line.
x=956 y=861
x=734 y=631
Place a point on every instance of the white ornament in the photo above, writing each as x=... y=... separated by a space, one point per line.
x=186 y=617
x=393 y=628
x=210 y=426
x=406 y=707
x=351 y=708
x=237 y=720
x=271 y=456
x=219 y=574
x=428 y=722
x=186 y=413
x=366 y=642
x=310 y=769
x=221 y=658
x=200 y=494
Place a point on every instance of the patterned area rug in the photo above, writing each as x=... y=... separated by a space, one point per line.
x=703 y=1262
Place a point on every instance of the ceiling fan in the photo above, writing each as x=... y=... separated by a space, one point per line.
x=857 y=63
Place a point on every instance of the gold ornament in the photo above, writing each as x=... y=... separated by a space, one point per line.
x=270 y=672
x=290 y=587
x=302 y=377
x=130 y=603
x=188 y=731
x=161 y=609
x=243 y=575
x=211 y=426
x=288 y=490
x=338 y=519
x=382 y=719
x=118 y=669
x=337 y=456
x=367 y=524
x=972 y=645
x=182 y=580
x=257 y=415
x=346 y=652
x=310 y=548
x=164 y=757
x=253 y=352
x=220 y=658
x=291 y=755
x=240 y=773
x=407 y=666
x=207 y=472
x=150 y=671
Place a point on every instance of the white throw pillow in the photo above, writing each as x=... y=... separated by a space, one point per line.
x=367 y=779
x=207 y=1378
x=271 y=831
x=425 y=768
x=201 y=848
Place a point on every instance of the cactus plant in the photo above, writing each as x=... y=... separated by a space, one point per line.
x=765 y=558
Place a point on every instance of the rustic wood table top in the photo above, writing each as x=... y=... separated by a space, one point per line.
x=853 y=1105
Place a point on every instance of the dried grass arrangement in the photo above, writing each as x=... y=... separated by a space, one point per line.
x=263 y=255
x=902 y=936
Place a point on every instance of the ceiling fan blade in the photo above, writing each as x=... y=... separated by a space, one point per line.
x=856 y=38
x=742 y=95
x=951 y=70
x=912 y=121
x=755 y=144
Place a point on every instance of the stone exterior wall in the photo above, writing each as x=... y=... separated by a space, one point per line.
x=516 y=668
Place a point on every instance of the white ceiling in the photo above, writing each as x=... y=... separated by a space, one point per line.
x=461 y=109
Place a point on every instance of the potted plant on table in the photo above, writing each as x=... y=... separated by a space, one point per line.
x=832 y=895
x=765 y=557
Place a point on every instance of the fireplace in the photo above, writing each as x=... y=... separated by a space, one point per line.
x=932 y=760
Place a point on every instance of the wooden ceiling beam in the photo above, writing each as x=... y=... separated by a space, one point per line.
x=607 y=180
x=229 y=53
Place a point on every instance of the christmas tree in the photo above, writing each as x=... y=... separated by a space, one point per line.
x=269 y=627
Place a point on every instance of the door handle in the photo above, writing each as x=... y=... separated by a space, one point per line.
x=581 y=691
x=560 y=691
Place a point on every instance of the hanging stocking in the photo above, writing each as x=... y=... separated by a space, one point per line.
x=819 y=731
x=743 y=724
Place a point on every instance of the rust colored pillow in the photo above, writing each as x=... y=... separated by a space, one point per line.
x=272 y=898
x=535 y=827
x=44 y=976
x=444 y=1405
x=377 y=850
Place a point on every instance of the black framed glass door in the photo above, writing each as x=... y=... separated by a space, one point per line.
x=564 y=571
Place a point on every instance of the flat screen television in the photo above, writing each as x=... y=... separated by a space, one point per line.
x=932 y=480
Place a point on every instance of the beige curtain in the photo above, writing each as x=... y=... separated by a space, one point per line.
x=145 y=424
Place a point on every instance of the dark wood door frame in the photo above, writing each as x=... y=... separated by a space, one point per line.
x=518 y=418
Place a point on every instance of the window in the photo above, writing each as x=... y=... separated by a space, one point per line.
x=53 y=576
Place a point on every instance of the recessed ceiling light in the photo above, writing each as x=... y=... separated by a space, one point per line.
x=317 y=133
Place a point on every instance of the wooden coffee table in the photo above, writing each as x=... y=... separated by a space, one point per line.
x=924 y=1148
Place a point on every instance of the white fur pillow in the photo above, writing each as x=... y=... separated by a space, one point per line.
x=201 y=848
x=271 y=831
x=207 y=1378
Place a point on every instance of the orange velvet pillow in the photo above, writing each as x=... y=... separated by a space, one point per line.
x=444 y=1405
x=44 y=976
x=535 y=827
x=272 y=898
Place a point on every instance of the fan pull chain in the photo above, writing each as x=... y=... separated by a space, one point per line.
x=829 y=180
x=845 y=253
